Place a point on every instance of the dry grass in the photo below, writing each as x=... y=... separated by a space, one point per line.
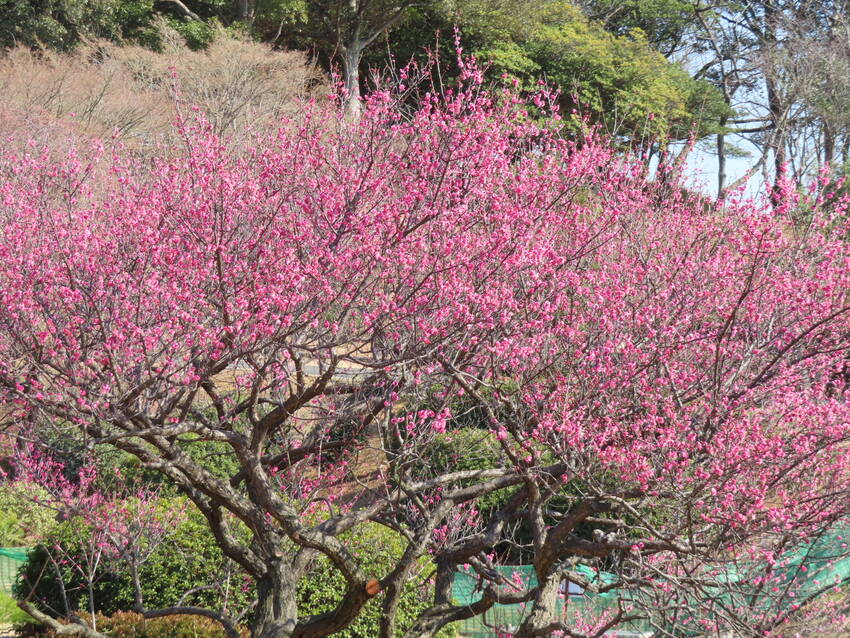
x=130 y=93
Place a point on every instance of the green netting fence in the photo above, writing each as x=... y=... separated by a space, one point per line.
x=805 y=572
x=808 y=571
x=11 y=559
x=574 y=605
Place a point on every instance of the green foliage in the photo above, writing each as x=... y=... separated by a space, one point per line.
x=40 y=576
x=11 y=534
x=377 y=548
x=60 y=24
x=665 y=23
x=189 y=558
x=198 y=35
x=610 y=72
x=20 y=520
x=469 y=448
x=10 y=613
x=618 y=80
x=270 y=15
x=215 y=456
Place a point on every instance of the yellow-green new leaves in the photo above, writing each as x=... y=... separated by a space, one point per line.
x=621 y=82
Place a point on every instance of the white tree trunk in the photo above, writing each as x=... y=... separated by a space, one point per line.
x=351 y=78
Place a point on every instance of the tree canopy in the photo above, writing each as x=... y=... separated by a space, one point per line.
x=610 y=71
x=378 y=349
x=663 y=378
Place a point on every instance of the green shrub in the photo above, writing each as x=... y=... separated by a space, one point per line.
x=62 y=24
x=11 y=533
x=10 y=613
x=189 y=558
x=214 y=456
x=377 y=549
x=467 y=449
x=20 y=519
x=198 y=35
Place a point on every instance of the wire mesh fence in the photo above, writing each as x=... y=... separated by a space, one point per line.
x=11 y=559
x=502 y=620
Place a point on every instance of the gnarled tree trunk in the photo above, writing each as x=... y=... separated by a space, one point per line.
x=276 y=613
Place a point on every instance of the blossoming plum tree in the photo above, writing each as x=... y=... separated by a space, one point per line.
x=663 y=378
